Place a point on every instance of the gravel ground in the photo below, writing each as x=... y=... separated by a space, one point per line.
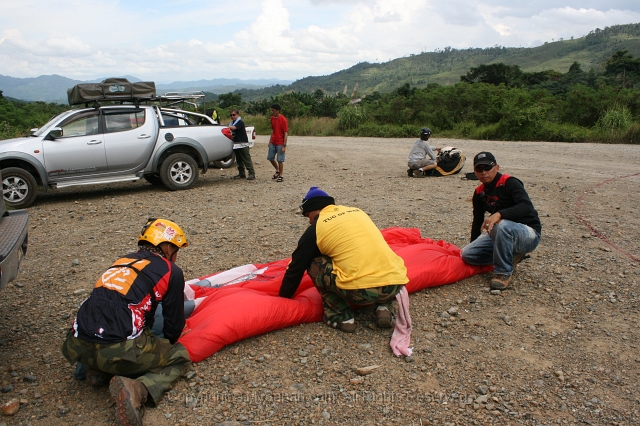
x=560 y=347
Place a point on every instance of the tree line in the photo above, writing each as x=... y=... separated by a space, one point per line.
x=495 y=101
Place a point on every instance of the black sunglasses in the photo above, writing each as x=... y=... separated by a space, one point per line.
x=484 y=168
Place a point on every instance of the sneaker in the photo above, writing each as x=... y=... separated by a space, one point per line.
x=348 y=326
x=410 y=172
x=130 y=396
x=239 y=177
x=500 y=282
x=418 y=173
x=384 y=317
x=251 y=177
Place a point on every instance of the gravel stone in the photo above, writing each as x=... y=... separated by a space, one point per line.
x=568 y=280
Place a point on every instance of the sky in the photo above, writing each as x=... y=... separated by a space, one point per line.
x=184 y=40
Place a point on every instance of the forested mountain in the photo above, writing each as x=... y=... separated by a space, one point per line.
x=446 y=66
x=443 y=67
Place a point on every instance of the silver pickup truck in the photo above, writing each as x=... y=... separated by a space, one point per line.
x=114 y=143
x=14 y=226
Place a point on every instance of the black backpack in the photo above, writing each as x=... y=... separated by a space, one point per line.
x=450 y=162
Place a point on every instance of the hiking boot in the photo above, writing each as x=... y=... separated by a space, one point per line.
x=410 y=172
x=97 y=378
x=251 y=177
x=384 y=317
x=500 y=282
x=418 y=174
x=517 y=258
x=239 y=177
x=348 y=326
x=130 y=396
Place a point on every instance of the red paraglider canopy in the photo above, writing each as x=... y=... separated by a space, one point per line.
x=243 y=302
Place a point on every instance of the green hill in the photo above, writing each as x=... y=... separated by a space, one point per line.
x=446 y=66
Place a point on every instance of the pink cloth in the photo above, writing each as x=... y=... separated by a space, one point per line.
x=401 y=337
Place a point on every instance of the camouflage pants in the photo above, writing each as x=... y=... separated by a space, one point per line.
x=337 y=301
x=153 y=361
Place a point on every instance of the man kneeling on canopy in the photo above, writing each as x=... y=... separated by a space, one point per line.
x=348 y=260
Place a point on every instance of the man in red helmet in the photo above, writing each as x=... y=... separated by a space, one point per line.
x=111 y=334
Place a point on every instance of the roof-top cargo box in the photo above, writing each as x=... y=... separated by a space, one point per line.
x=111 y=89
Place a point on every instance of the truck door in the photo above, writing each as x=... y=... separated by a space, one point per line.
x=130 y=135
x=78 y=151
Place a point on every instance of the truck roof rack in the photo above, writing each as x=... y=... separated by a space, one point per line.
x=120 y=90
x=183 y=97
x=192 y=94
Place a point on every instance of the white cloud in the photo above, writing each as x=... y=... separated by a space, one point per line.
x=502 y=29
x=558 y=23
x=270 y=31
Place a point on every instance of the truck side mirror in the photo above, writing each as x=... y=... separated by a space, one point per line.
x=54 y=133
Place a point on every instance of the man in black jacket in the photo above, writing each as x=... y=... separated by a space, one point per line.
x=512 y=228
x=241 y=146
x=111 y=334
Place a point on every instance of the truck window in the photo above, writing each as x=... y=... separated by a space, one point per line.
x=85 y=125
x=171 y=120
x=124 y=120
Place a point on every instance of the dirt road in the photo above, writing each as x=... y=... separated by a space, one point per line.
x=561 y=347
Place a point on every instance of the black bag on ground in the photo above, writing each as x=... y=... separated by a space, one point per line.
x=450 y=162
x=471 y=176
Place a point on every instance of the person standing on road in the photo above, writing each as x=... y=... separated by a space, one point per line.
x=422 y=157
x=111 y=334
x=513 y=227
x=241 y=146
x=278 y=142
x=349 y=261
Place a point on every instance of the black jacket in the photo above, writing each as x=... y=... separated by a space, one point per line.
x=240 y=133
x=305 y=252
x=124 y=300
x=506 y=195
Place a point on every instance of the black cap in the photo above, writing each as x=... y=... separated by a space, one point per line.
x=484 y=157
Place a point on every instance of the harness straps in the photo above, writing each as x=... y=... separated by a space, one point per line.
x=501 y=182
x=145 y=279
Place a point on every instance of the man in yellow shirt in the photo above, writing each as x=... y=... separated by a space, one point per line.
x=348 y=260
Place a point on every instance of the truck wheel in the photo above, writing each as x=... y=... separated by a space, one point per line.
x=153 y=179
x=19 y=188
x=225 y=163
x=179 y=171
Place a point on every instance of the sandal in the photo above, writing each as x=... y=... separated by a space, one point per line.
x=276 y=175
x=279 y=179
